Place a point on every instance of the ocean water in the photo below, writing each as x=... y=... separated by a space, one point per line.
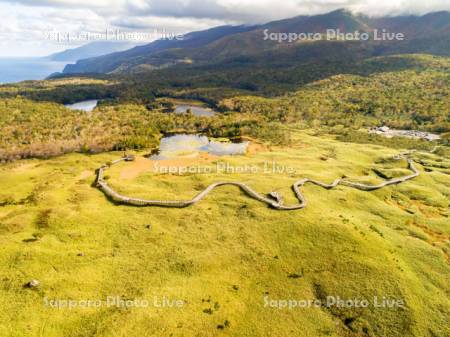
x=21 y=69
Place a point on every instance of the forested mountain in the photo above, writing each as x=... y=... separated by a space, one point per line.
x=142 y=54
x=250 y=44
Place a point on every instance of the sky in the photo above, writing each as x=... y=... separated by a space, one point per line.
x=30 y=28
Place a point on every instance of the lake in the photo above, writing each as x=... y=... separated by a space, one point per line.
x=196 y=110
x=21 y=69
x=87 y=106
x=186 y=146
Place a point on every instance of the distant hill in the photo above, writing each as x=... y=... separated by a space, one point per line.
x=428 y=34
x=134 y=56
x=89 y=50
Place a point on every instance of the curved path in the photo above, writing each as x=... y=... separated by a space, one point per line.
x=273 y=199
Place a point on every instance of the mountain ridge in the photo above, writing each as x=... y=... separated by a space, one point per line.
x=223 y=43
x=90 y=50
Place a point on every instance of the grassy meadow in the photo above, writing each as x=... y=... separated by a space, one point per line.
x=224 y=256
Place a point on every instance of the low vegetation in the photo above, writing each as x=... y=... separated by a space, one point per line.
x=225 y=255
x=63 y=239
x=306 y=108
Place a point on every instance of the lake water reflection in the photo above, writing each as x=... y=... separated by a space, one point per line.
x=196 y=110
x=87 y=106
x=184 y=145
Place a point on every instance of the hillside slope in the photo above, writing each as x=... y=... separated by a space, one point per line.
x=90 y=50
x=227 y=256
x=425 y=34
x=137 y=55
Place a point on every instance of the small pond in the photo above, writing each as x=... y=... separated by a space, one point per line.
x=87 y=106
x=196 y=110
x=186 y=146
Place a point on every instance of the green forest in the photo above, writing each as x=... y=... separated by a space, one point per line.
x=35 y=123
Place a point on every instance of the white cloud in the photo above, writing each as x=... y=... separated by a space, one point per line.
x=237 y=9
x=25 y=20
x=399 y=7
x=170 y=24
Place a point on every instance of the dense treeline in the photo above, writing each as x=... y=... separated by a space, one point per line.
x=412 y=92
x=408 y=99
x=236 y=77
x=43 y=129
x=64 y=91
x=211 y=84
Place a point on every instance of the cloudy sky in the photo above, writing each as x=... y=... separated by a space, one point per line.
x=30 y=27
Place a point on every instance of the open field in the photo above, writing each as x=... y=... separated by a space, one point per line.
x=227 y=255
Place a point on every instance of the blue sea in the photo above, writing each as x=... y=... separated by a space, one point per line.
x=21 y=69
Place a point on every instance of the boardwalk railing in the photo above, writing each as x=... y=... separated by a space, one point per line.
x=273 y=199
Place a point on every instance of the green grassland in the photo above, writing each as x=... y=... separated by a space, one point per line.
x=225 y=254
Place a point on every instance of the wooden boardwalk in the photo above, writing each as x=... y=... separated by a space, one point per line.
x=273 y=199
